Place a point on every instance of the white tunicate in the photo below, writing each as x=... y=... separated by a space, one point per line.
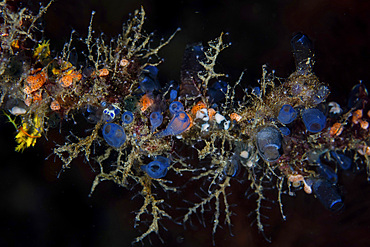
x=205 y=127
x=219 y=118
x=202 y=114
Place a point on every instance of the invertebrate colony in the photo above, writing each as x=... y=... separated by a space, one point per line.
x=141 y=130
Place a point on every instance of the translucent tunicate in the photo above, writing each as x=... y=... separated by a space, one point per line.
x=114 y=135
x=157 y=168
x=217 y=91
x=327 y=194
x=148 y=82
x=92 y=114
x=343 y=161
x=287 y=114
x=175 y=107
x=358 y=96
x=314 y=120
x=320 y=95
x=127 y=117
x=285 y=130
x=233 y=166
x=303 y=52
x=328 y=173
x=156 y=119
x=178 y=124
x=269 y=143
x=190 y=69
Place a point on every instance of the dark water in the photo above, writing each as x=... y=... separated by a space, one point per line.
x=40 y=210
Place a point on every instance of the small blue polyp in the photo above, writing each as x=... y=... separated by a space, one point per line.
x=127 y=117
x=157 y=168
x=314 y=120
x=287 y=114
x=175 y=107
x=114 y=135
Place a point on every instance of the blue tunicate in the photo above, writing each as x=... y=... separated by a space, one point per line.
x=314 y=120
x=269 y=141
x=175 y=107
x=173 y=95
x=327 y=194
x=148 y=82
x=343 y=161
x=156 y=119
x=328 y=173
x=285 y=130
x=303 y=52
x=178 y=124
x=157 y=168
x=287 y=114
x=114 y=135
x=217 y=91
x=127 y=117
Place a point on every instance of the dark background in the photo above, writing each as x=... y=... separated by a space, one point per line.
x=40 y=210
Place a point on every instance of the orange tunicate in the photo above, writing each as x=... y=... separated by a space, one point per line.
x=211 y=113
x=124 y=62
x=36 y=81
x=146 y=101
x=336 y=129
x=357 y=115
x=69 y=77
x=197 y=107
x=235 y=116
x=364 y=124
x=368 y=113
x=55 y=106
x=103 y=72
x=37 y=96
